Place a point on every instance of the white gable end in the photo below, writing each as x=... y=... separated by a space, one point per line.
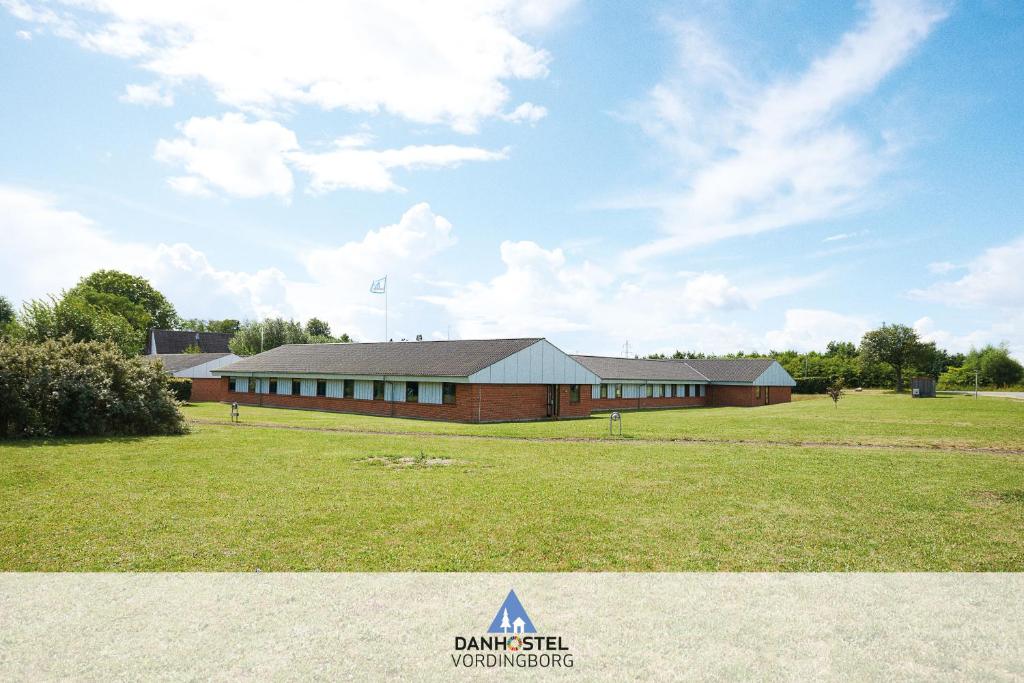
x=539 y=363
x=775 y=376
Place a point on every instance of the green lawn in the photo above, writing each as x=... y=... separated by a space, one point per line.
x=869 y=418
x=241 y=498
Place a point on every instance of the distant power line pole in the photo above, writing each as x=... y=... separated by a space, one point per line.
x=625 y=349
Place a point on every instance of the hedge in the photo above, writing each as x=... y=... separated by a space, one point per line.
x=65 y=388
x=811 y=385
x=181 y=387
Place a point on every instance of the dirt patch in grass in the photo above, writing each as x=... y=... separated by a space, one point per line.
x=991 y=499
x=409 y=461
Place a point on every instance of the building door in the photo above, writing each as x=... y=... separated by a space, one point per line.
x=766 y=392
x=553 y=403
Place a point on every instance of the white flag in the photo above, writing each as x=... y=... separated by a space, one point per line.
x=379 y=286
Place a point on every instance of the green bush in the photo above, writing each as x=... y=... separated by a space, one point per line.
x=811 y=385
x=65 y=388
x=181 y=387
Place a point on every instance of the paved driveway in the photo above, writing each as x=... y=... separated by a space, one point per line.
x=997 y=394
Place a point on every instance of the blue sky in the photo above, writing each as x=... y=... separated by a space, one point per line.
x=704 y=176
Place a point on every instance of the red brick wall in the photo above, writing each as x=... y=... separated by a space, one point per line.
x=732 y=395
x=640 y=403
x=209 y=389
x=492 y=402
x=473 y=403
x=569 y=409
x=746 y=396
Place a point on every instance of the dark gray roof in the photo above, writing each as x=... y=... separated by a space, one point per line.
x=176 y=362
x=458 y=358
x=730 y=369
x=176 y=341
x=646 y=369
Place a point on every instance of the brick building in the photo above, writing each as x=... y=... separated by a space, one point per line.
x=485 y=380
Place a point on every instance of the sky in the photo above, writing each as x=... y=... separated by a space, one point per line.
x=705 y=176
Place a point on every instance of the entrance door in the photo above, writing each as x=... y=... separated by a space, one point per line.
x=553 y=402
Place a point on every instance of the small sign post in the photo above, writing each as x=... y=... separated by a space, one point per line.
x=612 y=419
x=234 y=411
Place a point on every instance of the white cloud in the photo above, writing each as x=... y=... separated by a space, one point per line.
x=442 y=62
x=929 y=331
x=241 y=158
x=252 y=159
x=147 y=95
x=47 y=249
x=942 y=267
x=711 y=291
x=539 y=291
x=756 y=157
x=995 y=278
x=527 y=112
x=23 y=35
x=843 y=236
x=811 y=329
x=543 y=290
x=351 y=166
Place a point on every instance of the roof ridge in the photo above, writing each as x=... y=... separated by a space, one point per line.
x=416 y=341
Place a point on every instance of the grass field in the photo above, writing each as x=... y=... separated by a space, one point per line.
x=871 y=418
x=241 y=498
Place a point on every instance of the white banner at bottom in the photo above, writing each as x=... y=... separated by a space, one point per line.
x=107 y=627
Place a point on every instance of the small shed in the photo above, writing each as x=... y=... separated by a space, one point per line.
x=922 y=387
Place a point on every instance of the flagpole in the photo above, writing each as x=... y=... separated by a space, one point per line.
x=385 y=310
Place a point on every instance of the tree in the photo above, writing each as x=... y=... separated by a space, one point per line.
x=6 y=311
x=316 y=327
x=841 y=349
x=895 y=345
x=136 y=290
x=996 y=367
x=227 y=325
x=835 y=391
x=8 y=320
x=258 y=336
x=77 y=318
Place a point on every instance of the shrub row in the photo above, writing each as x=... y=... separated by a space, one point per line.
x=811 y=385
x=64 y=388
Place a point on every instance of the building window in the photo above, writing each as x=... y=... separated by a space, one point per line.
x=650 y=391
x=448 y=392
x=618 y=391
x=321 y=387
x=686 y=390
x=604 y=391
x=378 y=390
x=273 y=386
x=574 y=393
x=757 y=392
x=412 y=392
x=252 y=385
x=670 y=390
x=349 y=389
x=296 y=387
x=231 y=383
